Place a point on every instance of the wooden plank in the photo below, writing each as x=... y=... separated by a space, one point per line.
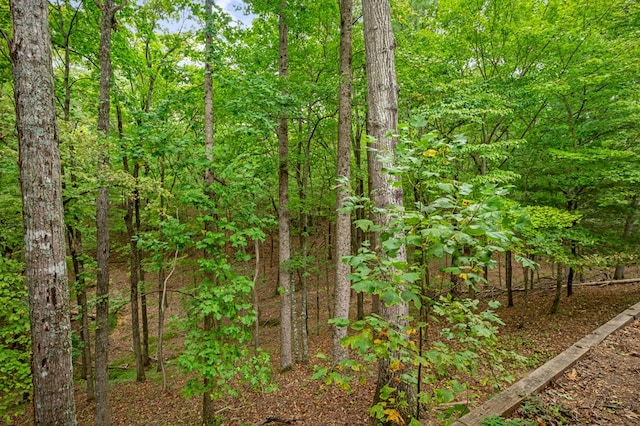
x=509 y=400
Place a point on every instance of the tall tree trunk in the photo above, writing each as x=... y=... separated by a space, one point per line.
x=103 y=412
x=162 y=286
x=343 y=218
x=141 y=276
x=74 y=234
x=42 y=212
x=254 y=296
x=208 y=414
x=283 y=207
x=509 y=277
x=134 y=270
x=628 y=228
x=75 y=248
x=382 y=100
x=357 y=233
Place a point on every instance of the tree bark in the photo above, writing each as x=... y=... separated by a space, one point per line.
x=42 y=211
x=103 y=412
x=75 y=248
x=628 y=228
x=509 y=277
x=343 y=219
x=357 y=233
x=283 y=203
x=134 y=277
x=254 y=297
x=208 y=414
x=558 y=293
x=74 y=234
x=571 y=270
x=382 y=101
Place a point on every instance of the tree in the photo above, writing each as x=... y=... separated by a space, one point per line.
x=283 y=201
x=208 y=415
x=386 y=190
x=103 y=413
x=44 y=245
x=343 y=222
x=65 y=23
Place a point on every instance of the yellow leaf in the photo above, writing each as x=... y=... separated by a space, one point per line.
x=430 y=153
x=463 y=276
x=377 y=342
x=395 y=366
x=394 y=416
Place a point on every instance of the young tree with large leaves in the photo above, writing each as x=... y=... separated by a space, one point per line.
x=44 y=245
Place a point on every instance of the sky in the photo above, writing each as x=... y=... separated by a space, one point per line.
x=232 y=6
x=235 y=8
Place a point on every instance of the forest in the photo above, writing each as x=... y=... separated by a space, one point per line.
x=326 y=200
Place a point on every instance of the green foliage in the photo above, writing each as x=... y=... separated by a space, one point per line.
x=15 y=340
x=220 y=313
x=220 y=352
x=458 y=219
x=11 y=238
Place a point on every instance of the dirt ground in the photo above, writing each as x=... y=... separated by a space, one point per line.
x=528 y=330
x=601 y=389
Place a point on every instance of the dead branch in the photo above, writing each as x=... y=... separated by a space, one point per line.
x=275 y=419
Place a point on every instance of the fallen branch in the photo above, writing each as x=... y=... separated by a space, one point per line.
x=119 y=367
x=275 y=419
x=610 y=282
x=549 y=286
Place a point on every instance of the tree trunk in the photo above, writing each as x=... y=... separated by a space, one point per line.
x=42 y=212
x=143 y=297
x=509 y=277
x=75 y=248
x=254 y=296
x=283 y=204
x=626 y=233
x=103 y=412
x=134 y=269
x=162 y=290
x=208 y=414
x=343 y=218
x=558 y=294
x=382 y=100
x=571 y=271
x=74 y=234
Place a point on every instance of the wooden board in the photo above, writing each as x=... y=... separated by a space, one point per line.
x=508 y=401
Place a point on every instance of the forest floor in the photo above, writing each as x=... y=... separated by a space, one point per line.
x=601 y=389
x=528 y=330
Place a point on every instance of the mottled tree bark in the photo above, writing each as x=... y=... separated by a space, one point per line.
x=386 y=190
x=343 y=219
x=44 y=244
x=103 y=412
x=283 y=205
